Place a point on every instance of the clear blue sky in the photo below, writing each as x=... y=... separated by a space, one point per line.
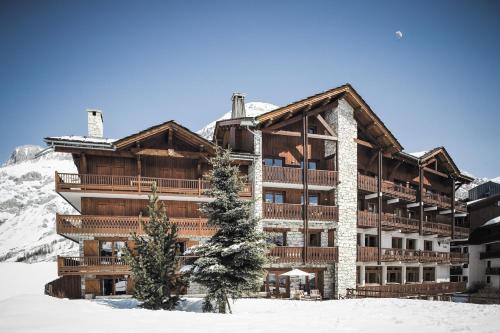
x=146 y=62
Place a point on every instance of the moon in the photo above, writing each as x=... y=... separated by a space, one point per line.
x=399 y=34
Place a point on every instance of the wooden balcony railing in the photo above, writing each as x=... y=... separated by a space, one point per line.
x=99 y=265
x=369 y=184
x=294 y=212
x=489 y=254
x=289 y=254
x=367 y=219
x=136 y=184
x=367 y=254
x=440 y=200
x=493 y=271
x=91 y=265
x=290 y=175
x=407 y=290
x=400 y=222
x=97 y=225
x=398 y=191
x=459 y=258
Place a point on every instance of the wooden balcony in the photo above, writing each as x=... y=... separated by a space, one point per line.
x=294 y=212
x=97 y=225
x=287 y=175
x=390 y=221
x=70 y=182
x=459 y=258
x=410 y=289
x=289 y=254
x=436 y=199
x=99 y=265
x=391 y=189
x=91 y=265
x=489 y=255
x=493 y=271
x=368 y=254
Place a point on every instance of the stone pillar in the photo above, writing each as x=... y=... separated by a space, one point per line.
x=324 y=238
x=362 y=277
x=362 y=239
x=255 y=176
x=341 y=118
x=295 y=238
x=403 y=274
x=384 y=275
x=328 y=278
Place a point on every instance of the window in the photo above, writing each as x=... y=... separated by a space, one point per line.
x=358 y=239
x=427 y=218
x=373 y=274
x=466 y=249
x=398 y=212
x=311 y=165
x=277 y=238
x=111 y=248
x=275 y=197
x=181 y=247
x=315 y=239
x=412 y=274
x=397 y=243
x=371 y=240
x=429 y=274
x=427 y=245
x=465 y=278
x=372 y=207
x=394 y=274
x=488 y=264
x=312 y=130
x=273 y=161
x=313 y=199
x=411 y=214
x=488 y=279
x=411 y=244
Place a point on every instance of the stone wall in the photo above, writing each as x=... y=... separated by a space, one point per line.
x=255 y=176
x=341 y=118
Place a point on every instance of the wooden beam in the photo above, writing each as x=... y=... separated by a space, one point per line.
x=436 y=172
x=429 y=162
x=322 y=137
x=379 y=205
x=311 y=112
x=95 y=152
x=394 y=169
x=325 y=125
x=171 y=153
x=305 y=182
x=285 y=133
x=364 y=143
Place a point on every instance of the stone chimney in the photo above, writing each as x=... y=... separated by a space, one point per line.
x=95 y=123
x=238 y=109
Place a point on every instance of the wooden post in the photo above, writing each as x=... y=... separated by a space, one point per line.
x=379 y=205
x=305 y=162
x=453 y=184
x=421 y=198
x=83 y=163
x=199 y=186
x=139 y=172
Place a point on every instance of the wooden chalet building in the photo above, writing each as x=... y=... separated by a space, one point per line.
x=331 y=186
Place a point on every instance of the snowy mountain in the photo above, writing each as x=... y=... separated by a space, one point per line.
x=253 y=109
x=463 y=191
x=28 y=204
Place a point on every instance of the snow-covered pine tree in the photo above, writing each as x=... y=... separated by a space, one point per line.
x=154 y=262
x=231 y=262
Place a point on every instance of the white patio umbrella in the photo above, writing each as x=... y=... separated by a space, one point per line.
x=296 y=272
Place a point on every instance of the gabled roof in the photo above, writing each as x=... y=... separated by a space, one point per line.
x=364 y=114
x=180 y=131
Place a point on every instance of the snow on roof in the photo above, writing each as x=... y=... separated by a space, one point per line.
x=496 y=180
x=419 y=154
x=82 y=139
x=492 y=221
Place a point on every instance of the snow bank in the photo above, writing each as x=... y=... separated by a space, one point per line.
x=23 y=308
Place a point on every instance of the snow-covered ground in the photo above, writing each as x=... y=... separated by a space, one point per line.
x=23 y=308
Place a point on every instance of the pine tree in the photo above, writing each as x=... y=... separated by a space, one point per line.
x=154 y=262
x=231 y=262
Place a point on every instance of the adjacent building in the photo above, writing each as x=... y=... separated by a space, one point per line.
x=333 y=189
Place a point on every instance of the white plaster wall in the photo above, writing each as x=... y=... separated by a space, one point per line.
x=477 y=267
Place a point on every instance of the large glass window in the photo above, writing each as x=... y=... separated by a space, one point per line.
x=397 y=243
x=428 y=245
x=270 y=161
x=394 y=274
x=412 y=274
x=275 y=197
x=429 y=274
x=313 y=199
x=315 y=239
x=311 y=165
x=411 y=244
x=371 y=240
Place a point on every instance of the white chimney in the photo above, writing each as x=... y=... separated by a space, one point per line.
x=95 y=123
x=238 y=109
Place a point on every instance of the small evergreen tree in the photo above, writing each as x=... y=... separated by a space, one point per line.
x=231 y=262
x=154 y=260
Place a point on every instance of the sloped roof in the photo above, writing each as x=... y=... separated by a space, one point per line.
x=180 y=130
x=364 y=114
